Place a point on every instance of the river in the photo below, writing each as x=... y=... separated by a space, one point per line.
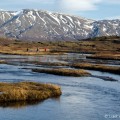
x=83 y=98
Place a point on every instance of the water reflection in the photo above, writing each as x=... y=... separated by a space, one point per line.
x=43 y=58
x=17 y=105
x=22 y=104
x=57 y=99
x=69 y=57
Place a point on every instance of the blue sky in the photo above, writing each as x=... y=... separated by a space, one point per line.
x=94 y=9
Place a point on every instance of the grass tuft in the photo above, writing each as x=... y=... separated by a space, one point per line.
x=64 y=72
x=99 y=67
x=27 y=91
x=105 y=56
x=2 y=62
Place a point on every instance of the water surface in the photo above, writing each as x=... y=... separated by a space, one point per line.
x=83 y=98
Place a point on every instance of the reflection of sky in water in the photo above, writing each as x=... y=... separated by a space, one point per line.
x=54 y=58
x=70 y=57
x=43 y=58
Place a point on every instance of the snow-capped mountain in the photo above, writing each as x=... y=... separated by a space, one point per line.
x=43 y=25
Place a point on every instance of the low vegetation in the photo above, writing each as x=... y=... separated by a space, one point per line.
x=95 y=45
x=99 y=67
x=107 y=56
x=64 y=72
x=27 y=91
x=2 y=62
x=87 y=66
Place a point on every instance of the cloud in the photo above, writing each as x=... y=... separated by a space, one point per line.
x=84 y=5
x=79 y=5
x=69 y=6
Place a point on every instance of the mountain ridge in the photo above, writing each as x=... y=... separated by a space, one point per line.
x=37 y=25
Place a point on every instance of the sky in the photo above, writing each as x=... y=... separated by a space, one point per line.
x=92 y=9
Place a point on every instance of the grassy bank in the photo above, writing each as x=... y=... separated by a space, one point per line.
x=99 y=67
x=63 y=72
x=27 y=91
x=107 y=56
x=2 y=62
x=24 y=52
x=73 y=72
x=96 y=45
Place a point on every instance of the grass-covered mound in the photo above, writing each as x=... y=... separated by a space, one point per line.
x=2 y=62
x=99 y=67
x=107 y=56
x=27 y=91
x=63 y=72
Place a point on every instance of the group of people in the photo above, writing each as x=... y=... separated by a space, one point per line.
x=37 y=50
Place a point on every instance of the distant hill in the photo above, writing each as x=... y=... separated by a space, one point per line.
x=38 y=25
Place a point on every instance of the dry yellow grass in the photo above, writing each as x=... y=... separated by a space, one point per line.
x=105 y=44
x=106 y=56
x=64 y=72
x=27 y=91
x=23 y=51
x=99 y=67
x=2 y=62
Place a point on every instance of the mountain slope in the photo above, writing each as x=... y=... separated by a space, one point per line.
x=43 y=25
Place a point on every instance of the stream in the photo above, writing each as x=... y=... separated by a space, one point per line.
x=83 y=98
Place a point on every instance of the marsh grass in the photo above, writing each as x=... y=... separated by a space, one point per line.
x=27 y=91
x=99 y=67
x=95 y=45
x=2 y=61
x=64 y=72
x=107 y=56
